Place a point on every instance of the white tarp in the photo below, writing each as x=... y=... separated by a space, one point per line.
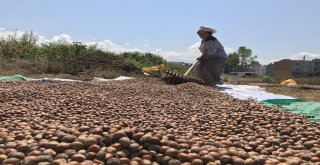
x=116 y=79
x=245 y=92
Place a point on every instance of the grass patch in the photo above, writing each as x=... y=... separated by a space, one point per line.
x=236 y=80
x=309 y=81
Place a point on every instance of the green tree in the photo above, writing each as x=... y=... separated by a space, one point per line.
x=253 y=64
x=232 y=62
x=246 y=58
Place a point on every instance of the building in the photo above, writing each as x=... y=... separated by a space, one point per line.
x=269 y=69
x=316 y=67
x=257 y=69
x=282 y=69
x=287 y=68
x=302 y=68
x=263 y=70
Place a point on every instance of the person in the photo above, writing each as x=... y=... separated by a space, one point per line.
x=211 y=62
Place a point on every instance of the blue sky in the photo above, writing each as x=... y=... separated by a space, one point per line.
x=273 y=29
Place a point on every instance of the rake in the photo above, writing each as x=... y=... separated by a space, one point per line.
x=175 y=78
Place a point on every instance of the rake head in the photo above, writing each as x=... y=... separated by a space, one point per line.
x=174 y=79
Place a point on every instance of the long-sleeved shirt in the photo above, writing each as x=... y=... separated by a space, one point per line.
x=213 y=48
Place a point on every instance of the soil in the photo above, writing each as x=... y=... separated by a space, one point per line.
x=106 y=65
x=301 y=93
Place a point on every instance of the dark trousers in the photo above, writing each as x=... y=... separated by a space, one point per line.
x=210 y=70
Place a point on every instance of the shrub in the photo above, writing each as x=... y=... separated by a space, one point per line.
x=270 y=80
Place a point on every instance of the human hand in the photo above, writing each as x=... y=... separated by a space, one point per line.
x=202 y=57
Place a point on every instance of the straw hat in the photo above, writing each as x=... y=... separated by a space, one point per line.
x=207 y=29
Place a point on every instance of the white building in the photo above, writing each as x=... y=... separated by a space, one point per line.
x=257 y=68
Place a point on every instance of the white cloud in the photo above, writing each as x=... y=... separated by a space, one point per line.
x=64 y=38
x=267 y=61
x=6 y=33
x=189 y=55
x=108 y=45
x=146 y=45
x=169 y=55
x=126 y=43
x=42 y=40
x=309 y=56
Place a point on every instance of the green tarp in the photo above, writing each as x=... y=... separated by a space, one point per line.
x=298 y=106
x=270 y=102
x=14 y=78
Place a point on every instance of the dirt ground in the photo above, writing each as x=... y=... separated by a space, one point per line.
x=305 y=94
x=95 y=64
x=106 y=65
x=297 y=92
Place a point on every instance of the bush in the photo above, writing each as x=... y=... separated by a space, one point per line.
x=269 y=80
x=148 y=59
x=22 y=54
x=143 y=59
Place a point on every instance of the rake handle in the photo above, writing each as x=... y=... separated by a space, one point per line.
x=192 y=66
